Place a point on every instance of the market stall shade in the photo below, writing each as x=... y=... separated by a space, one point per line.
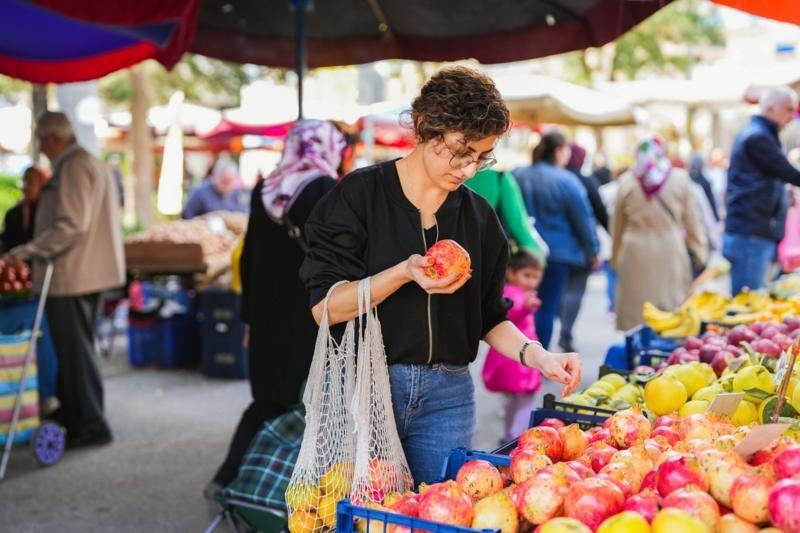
x=534 y=99
x=783 y=10
x=346 y=32
x=45 y=41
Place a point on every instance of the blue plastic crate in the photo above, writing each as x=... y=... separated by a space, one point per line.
x=585 y=416
x=222 y=334
x=145 y=342
x=642 y=347
x=181 y=347
x=347 y=514
x=456 y=459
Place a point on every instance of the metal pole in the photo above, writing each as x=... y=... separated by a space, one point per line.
x=301 y=60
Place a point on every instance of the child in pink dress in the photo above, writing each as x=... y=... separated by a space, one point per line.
x=518 y=383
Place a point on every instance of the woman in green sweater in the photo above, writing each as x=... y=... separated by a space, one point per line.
x=501 y=190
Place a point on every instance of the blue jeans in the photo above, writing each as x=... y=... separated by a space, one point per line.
x=750 y=259
x=434 y=408
x=611 y=284
x=551 y=290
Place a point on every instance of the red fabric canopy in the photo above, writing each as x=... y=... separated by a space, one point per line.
x=55 y=41
x=783 y=10
x=227 y=129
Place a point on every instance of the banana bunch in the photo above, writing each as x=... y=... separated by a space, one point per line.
x=710 y=306
x=750 y=302
x=684 y=322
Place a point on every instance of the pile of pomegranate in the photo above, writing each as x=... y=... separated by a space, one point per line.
x=718 y=348
x=680 y=474
x=15 y=277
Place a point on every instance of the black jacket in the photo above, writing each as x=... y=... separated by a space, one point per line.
x=366 y=225
x=757 y=199
x=275 y=301
x=592 y=187
x=14 y=231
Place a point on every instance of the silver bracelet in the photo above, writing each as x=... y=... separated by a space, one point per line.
x=525 y=348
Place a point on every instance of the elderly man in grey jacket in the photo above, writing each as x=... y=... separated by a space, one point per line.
x=78 y=229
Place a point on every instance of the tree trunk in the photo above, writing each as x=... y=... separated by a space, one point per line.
x=39 y=106
x=142 y=148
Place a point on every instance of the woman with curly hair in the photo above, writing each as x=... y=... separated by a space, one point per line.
x=380 y=220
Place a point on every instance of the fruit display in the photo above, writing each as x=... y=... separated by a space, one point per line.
x=15 y=278
x=745 y=308
x=202 y=244
x=449 y=258
x=630 y=475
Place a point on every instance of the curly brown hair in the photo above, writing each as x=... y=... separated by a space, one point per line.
x=458 y=99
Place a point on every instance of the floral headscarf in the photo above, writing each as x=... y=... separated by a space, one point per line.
x=652 y=167
x=313 y=149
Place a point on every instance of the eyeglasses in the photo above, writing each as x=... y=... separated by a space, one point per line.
x=461 y=162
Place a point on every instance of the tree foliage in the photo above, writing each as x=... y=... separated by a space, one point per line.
x=203 y=80
x=668 y=43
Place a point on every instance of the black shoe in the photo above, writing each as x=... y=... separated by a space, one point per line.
x=89 y=437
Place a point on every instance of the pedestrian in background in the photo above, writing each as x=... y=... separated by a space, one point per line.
x=502 y=192
x=221 y=192
x=578 y=277
x=77 y=228
x=657 y=235
x=281 y=330
x=19 y=222
x=516 y=382
x=757 y=200
x=560 y=207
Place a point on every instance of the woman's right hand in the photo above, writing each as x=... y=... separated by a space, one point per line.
x=415 y=269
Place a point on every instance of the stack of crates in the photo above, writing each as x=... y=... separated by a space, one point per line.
x=171 y=341
x=224 y=355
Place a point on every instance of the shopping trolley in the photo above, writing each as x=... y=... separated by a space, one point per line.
x=18 y=364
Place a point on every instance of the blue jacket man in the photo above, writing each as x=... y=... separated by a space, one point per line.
x=756 y=198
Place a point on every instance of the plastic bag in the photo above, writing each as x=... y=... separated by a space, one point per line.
x=350 y=446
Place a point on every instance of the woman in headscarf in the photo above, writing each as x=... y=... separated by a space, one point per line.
x=657 y=234
x=282 y=332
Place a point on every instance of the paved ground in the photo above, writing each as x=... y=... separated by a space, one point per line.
x=171 y=431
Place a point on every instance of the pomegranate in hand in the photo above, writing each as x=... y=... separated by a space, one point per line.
x=449 y=258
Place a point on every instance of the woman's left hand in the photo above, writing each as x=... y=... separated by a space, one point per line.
x=559 y=367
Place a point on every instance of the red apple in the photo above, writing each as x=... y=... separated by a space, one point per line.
x=693 y=343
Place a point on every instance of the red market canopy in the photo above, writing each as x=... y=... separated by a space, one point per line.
x=346 y=32
x=782 y=10
x=44 y=41
x=227 y=129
